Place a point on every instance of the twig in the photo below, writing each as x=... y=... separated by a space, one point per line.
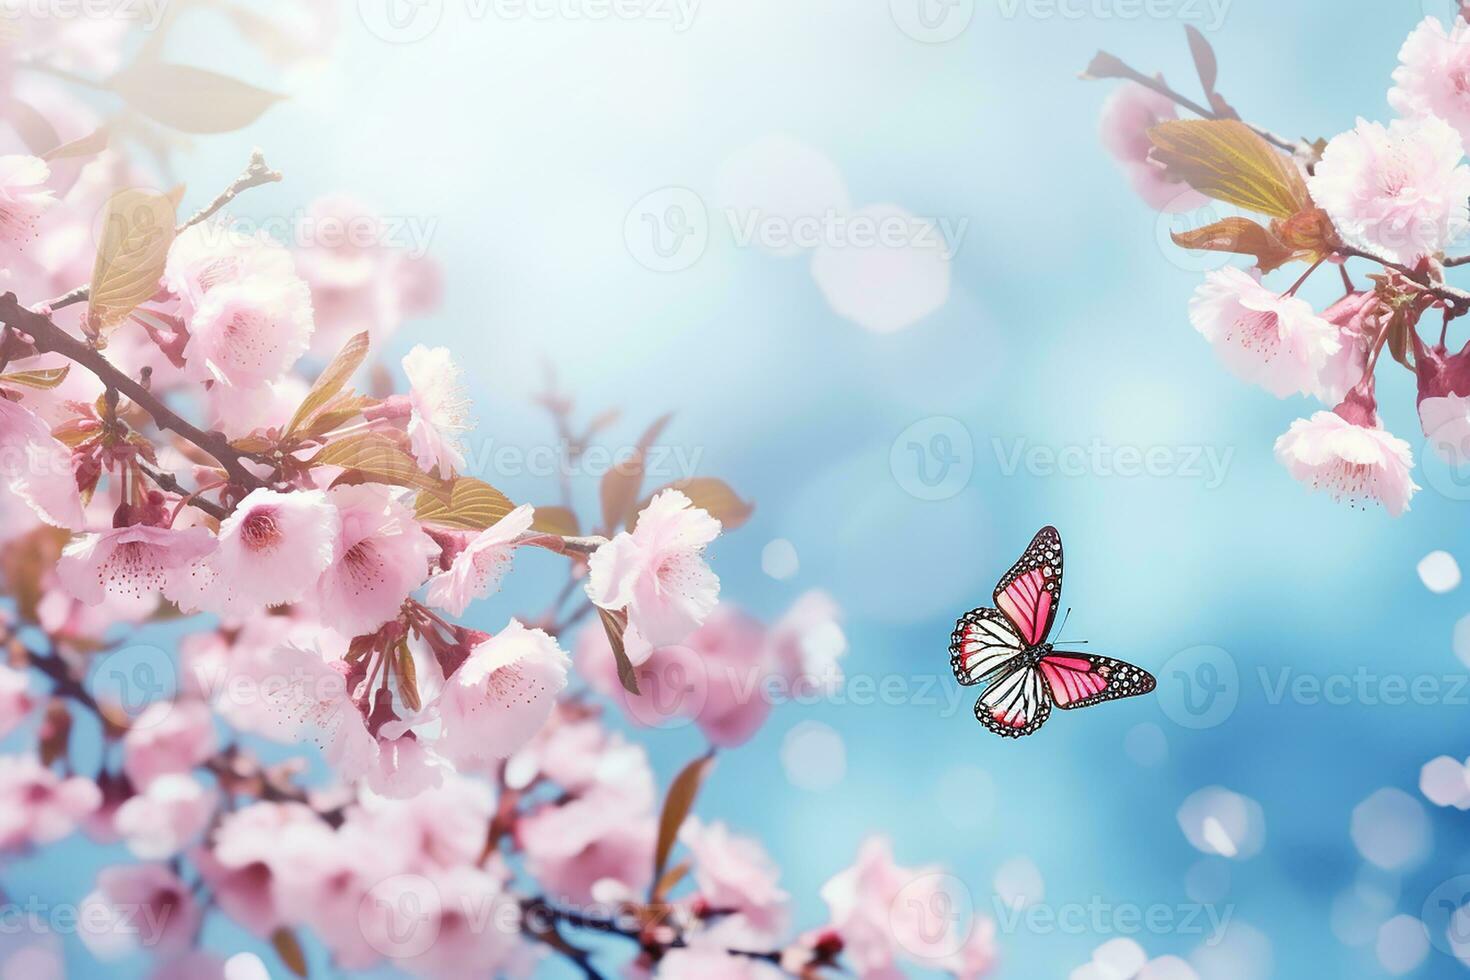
x=1110 y=66
x=570 y=545
x=1457 y=300
x=49 y=338
x=255 y=174
x=167 y=482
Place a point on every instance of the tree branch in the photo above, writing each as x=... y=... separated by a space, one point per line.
x=1105 y=65
x=255 y=174
x=49 y=338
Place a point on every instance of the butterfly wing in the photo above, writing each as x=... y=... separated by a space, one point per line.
x=1077 y=680
x=1029 y=592
x=1016 y=703
x=983 y=641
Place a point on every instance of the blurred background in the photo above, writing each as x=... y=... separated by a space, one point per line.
x=617 y=195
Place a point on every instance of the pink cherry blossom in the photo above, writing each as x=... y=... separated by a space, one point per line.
x=1399 y=191
x=213 y=253
x=128 y=562
x=256 y=867
x=138 y=906
x=237 y=412
x=1130 y=111
x=271 y=550
x=1431 y=77
x=885 y=913
x=735 y=874
x=591 y=849
x=1445 y=419
x=249 y=332
x=657 y=572
x=501 y=695
x=469 y=926
x=39 y=807
x=359 y=280
x=807 y=642
x=16 y=699
x=1355 y=316
x=1262 y=337
x=37 y=469
x=24 y=197
x=1348 y=454
x=380 y=556
x=476 y=571
x=316 y=702
x=440 y=409
x=167 y=738
x=167 y=816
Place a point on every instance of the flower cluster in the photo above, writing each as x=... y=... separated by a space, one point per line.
x=198 y=425
x=1395 y=196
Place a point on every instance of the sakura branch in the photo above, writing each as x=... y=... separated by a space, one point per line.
x=1393 y=195
x=210 y=432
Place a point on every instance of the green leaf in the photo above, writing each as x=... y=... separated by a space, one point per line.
x=137 y=230
x=469 y=505
x=557 y=520
x=288 y=948
x=708 y=494
x=614 y=624
x=1227 y=160
x=332 y=378
x=191 y=99
x=43 y=379
x=621 y=484
x=379 y=459
x=677 y=805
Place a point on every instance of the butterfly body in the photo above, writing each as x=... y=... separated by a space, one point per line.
x=1007 y=649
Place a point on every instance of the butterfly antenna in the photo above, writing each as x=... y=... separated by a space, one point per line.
x=1064 y=620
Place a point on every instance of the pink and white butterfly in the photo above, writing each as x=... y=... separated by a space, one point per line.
x=1007 y=649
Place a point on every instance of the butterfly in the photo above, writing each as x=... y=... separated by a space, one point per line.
x=1007 y=649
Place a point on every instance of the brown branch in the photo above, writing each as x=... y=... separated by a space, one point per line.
x=1105 y=65
x=1453 y=260
x=1457 y=300
x=255 y=174
x=166 y=481
x=49 y=338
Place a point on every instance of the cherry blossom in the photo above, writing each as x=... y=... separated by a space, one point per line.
x=37 y=469
x=735 y=874
x=248 y=332
x=657 y=571
x=138 y=906
x=380 y=556
x=167 y=738
x=168 y=815
x=477 y=569
x=501 y=695
x=23 y=198
x=271 y=550
x=1131 y=111
x=213 y=253
x=1278 y=342
x=1399 y=191
x=134 y=561
x=16 y=699
x=39 y=807
x=440 y=410
x=1430 y=79
x=1349 y=455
